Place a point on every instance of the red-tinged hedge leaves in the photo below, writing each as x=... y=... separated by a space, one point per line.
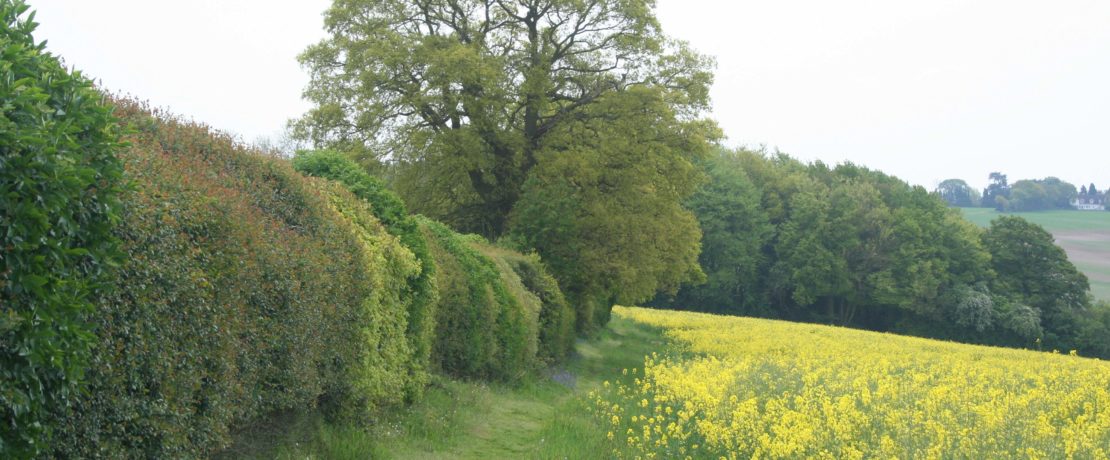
x=247 y=289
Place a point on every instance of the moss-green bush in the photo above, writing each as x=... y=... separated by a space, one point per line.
x=547 y=319
x=420 y=297
x=58 y=186
x=386 y=358
x=482 y=330
x=247 y=289
x=530 y=304
x=529 y=280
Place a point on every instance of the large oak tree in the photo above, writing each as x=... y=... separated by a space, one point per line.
x=461 y=95
x=567 y=126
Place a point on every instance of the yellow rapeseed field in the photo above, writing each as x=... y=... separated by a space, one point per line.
x=735 y=387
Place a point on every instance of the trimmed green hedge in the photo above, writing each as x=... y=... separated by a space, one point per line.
x=58 y=186
x=420 y=298
x=528 y=304
x=482 y=330
x=247 y=290
x=528 y=280
x=471 y=300
x=221 y=287
x=387 y=358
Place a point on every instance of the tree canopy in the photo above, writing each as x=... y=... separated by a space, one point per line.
x=957 y=193
x=1028 y=194
x=567 y=126
x=997 y=193
x=1040 y=194
x=1034 y=271
x=604 y=204
x=471 y=90
x=851 y=246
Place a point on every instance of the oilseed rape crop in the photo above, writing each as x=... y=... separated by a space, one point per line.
x=731 y=387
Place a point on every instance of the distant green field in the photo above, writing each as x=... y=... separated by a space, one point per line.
x=1085 y=235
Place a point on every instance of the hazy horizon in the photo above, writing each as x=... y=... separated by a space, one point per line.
x=924 y=92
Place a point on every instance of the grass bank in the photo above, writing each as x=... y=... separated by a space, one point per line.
x=543 y=418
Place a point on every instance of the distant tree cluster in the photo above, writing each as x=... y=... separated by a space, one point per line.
x=1028 y=194
x=850 y=246
x=958 y=193
x=1023 y=195
x=997 y=192
x=1039 y=195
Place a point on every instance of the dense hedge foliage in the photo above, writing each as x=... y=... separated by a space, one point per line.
x=527 y=275
x=421 y=296
x=529 y=303
x=482 y=329
x=58 y=186
x=387 y=368
x=247 y=289
x=557 y=319
x=539 y=305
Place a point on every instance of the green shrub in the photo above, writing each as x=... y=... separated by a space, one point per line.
x=531 y=280
x=420 y=297
x=247 y=290
x=388 y=207
x=482 y=330
x=386 y=356
x=58 y=187
x=529 y=303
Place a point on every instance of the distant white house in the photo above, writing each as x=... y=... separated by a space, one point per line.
x=1089 y=201
x=1087 y=206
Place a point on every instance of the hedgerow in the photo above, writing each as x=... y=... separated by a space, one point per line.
x=482 y=330
x=543 y=311
x=386 y=360
x=220 y=288
x=420 y=296
x=58 y=186
x=247 y=289
x=529 y=280
x=529 y=304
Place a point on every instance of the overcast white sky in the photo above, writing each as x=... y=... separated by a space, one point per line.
x=924 y=90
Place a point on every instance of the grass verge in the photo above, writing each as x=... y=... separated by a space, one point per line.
x=544 y=417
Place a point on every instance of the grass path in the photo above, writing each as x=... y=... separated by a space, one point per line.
x=541 y=418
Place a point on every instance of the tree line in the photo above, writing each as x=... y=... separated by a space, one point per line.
x=1023 y=195
x=850 y=246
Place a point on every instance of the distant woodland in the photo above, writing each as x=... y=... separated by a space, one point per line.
x=1023 y=195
